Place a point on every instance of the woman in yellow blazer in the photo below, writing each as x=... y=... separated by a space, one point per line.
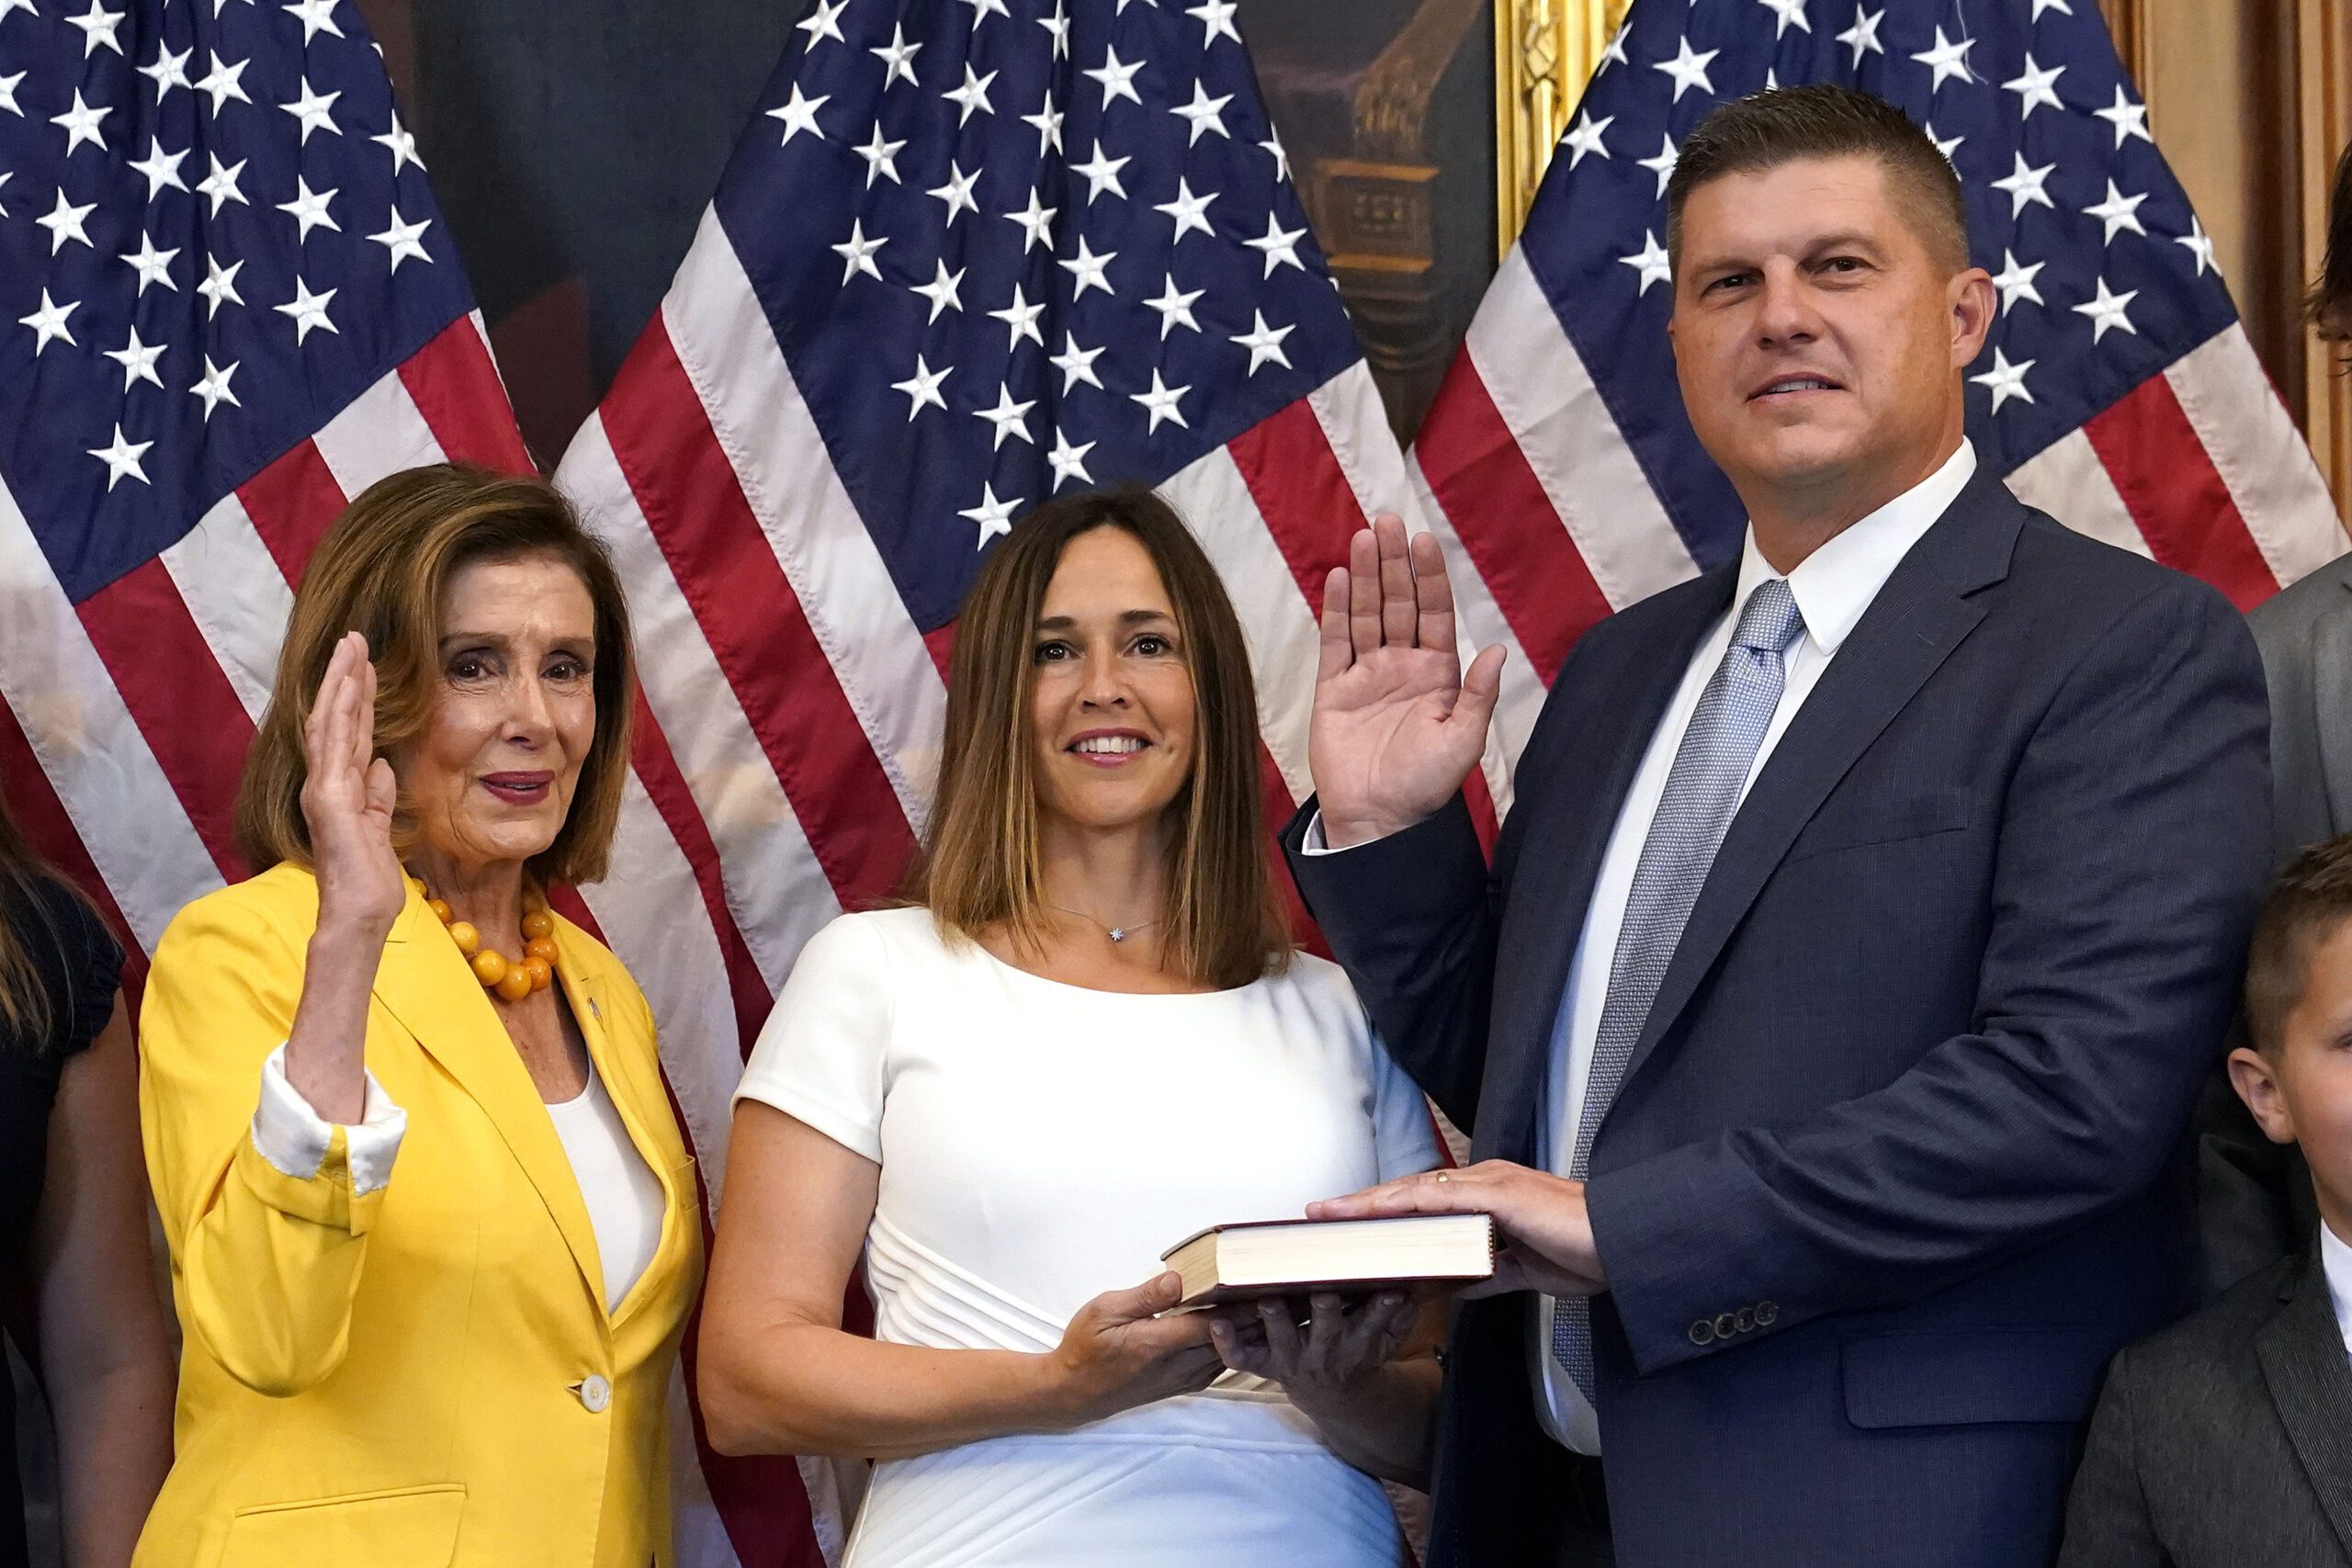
x=434 y=1231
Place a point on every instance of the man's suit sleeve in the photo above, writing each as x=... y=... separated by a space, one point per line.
x=2107 y=1525
x=1411 y=918
x=2133 y=843
x=2287 y=629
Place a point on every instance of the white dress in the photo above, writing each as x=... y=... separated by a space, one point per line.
x=1041 y=1144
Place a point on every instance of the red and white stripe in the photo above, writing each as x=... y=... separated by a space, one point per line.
x=2199 y=467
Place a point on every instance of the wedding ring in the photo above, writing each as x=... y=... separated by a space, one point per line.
x=1442 y=1177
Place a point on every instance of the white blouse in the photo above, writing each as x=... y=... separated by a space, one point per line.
x=624 y=1196
x=1041 y=1144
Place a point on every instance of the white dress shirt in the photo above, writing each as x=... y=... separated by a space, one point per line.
x=2336 y=1260
x=1833 y=586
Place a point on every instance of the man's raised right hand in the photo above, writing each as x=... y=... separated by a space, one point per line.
x=1398 y=723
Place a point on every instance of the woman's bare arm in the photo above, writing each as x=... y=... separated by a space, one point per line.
x=779 y=1375
x=105 y=1358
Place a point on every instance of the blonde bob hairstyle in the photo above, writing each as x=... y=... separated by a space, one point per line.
x=980 y=864
x=381 y=571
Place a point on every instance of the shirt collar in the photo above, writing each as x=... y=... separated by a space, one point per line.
x=1835 y=584
x=2335 y=1258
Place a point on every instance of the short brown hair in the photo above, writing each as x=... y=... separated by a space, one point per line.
x=2330 y=300
x=381 y=571
x=980 y=861
x=1764 y=130
x=2311 y=898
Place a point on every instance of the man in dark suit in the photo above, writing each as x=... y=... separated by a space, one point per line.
x=1869 y=912
x=2227 y=1439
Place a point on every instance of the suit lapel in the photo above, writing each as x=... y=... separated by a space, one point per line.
x=425 y=982
x=2310 y=1378
x=1917 y=618
x=1583 y=788
x=2331 y=694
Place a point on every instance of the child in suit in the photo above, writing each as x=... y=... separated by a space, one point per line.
x=2227 y=1438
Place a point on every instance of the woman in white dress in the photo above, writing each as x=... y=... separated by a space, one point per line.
x=1090 y=1039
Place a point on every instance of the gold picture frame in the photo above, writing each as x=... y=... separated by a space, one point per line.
x=1545 y=52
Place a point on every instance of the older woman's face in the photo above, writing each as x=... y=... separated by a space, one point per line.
x=491 y=777
x=1111 y=709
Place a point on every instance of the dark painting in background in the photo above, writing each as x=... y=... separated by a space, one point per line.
x=575 y=143
x=1387 y=109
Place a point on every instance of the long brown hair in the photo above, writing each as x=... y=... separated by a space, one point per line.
x=27 y=1010
x=381 y=571
x=981 y=863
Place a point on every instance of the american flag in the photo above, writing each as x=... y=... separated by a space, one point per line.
x=970 y=254
x=227 y=303
x=2118 y=392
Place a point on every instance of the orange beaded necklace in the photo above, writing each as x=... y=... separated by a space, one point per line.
x=511 y=978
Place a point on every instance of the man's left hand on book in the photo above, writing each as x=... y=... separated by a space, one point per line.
x=1544 y=1227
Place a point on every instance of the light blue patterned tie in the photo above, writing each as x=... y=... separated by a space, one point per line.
x=1702 y=792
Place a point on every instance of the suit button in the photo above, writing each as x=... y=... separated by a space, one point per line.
x=1702 y=1332
x=1744 y=1319
x=1766 y=1313
x=1726 y=1326
x=595 y=1393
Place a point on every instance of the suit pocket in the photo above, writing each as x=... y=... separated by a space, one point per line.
x=1884 y=821
x=410 y=1526
x=1972 y=1377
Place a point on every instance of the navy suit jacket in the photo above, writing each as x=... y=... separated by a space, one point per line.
x=1893 y=1168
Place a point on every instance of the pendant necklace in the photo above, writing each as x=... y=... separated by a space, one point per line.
x=1117 y=933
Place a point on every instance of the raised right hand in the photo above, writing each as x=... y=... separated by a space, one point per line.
x=1116 y=1354
x=347 y=798
x=1397 y=724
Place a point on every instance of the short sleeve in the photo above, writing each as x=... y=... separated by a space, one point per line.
x=823 y=1055
x=1404 y=1135
x=78 y=962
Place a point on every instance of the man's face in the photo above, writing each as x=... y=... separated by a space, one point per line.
x=2301 y=1090
x=1816 y=338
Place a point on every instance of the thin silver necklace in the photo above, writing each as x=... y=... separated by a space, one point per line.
x=1117 y=933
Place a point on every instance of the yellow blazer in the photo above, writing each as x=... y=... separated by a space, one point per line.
x=425 y=1375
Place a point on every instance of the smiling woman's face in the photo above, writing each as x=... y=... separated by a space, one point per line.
x=1111 y=709
x=491 y=778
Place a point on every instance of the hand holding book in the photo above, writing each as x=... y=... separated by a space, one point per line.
x=1124 y=1348
x=1339 y=1339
